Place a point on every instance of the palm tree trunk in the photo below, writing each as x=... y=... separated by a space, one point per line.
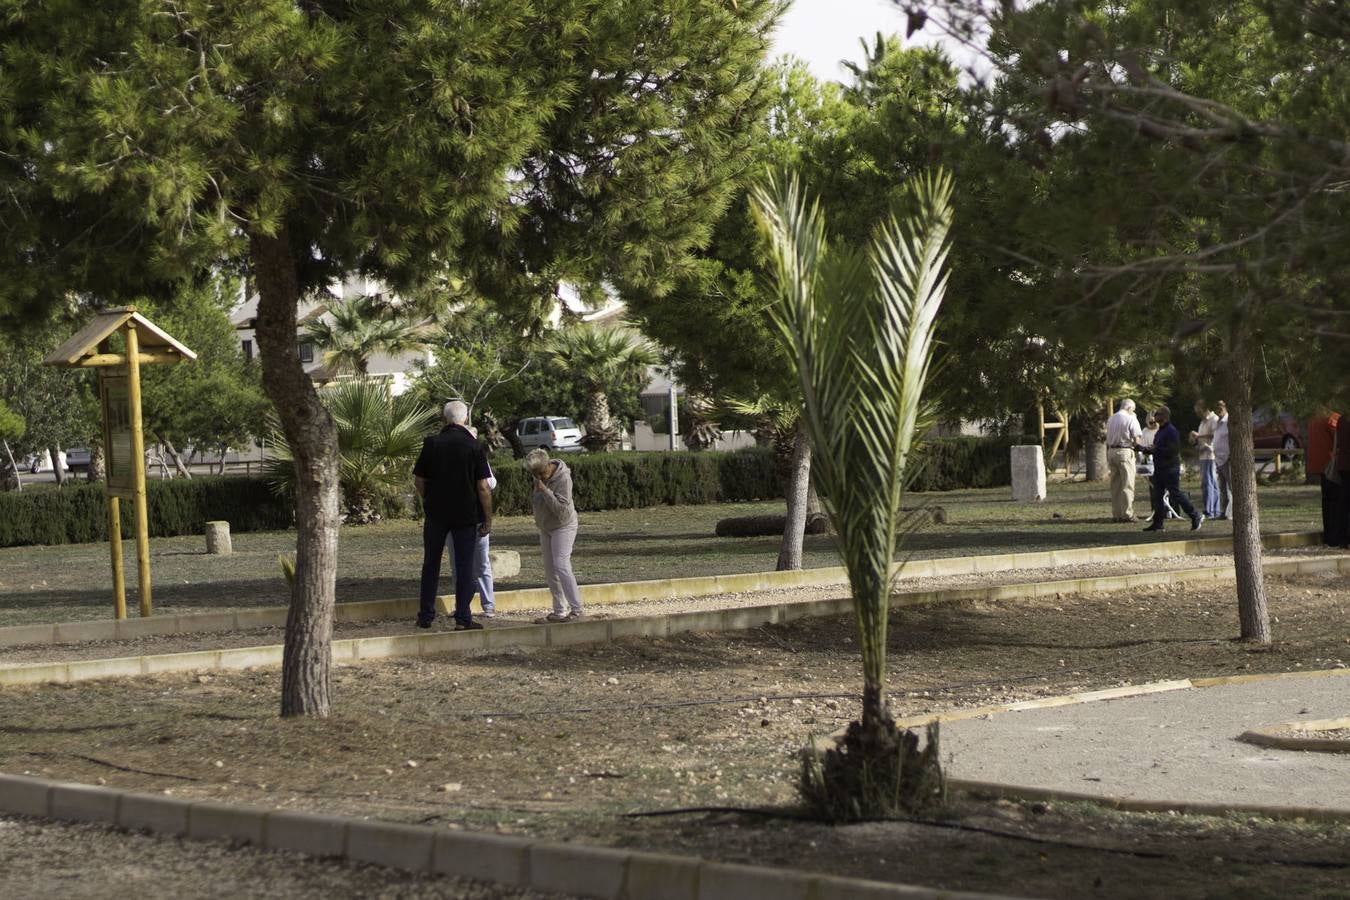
x=598 y=423
x=306 y=661
x=798 y=498
x=58 y=468
x=1253 y=613
x=98 y=464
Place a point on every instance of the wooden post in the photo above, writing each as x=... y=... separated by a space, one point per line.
x=115 y=541
x=138 y=466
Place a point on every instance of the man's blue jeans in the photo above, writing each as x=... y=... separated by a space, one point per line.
x=1209 y=489
x=463 y=542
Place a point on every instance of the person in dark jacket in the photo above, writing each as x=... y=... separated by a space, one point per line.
x=451 y=477
x=1166 y=484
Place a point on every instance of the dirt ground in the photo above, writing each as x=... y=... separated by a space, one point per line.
x=564 y=743
x=87 y=862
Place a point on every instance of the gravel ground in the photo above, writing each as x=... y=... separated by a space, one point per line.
x=180 y=643
x=87 y=862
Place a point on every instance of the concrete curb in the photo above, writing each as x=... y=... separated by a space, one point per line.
x=632 y=591
x=605 y=631
x=1274 y=737
x=591 y=871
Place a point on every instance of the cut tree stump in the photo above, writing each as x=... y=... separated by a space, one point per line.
x=218 y=539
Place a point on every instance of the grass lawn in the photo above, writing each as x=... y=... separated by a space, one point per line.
x=47 y=584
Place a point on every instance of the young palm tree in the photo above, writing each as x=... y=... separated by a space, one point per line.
x=355 y=330
x=379 y=437
x=859 y=330
x=599 y=358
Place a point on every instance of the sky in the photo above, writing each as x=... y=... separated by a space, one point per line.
x=823 y=32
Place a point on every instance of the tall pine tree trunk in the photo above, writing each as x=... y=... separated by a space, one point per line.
x=1247 y=551
x=798 y=493
x=58 y=467
x=306 y=661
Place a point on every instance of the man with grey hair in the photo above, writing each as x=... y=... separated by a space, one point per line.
x=451 y=476
x=1122 y=433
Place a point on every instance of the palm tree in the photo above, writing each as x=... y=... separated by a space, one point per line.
x=859 y=329
x=355 y=330
x=600 y=358
x=379 y=437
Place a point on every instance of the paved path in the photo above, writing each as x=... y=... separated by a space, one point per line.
x=1173 y=746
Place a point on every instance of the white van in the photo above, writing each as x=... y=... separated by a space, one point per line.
x=554 y=433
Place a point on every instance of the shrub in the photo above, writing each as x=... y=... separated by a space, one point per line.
x=78 y=513
x=948 y=464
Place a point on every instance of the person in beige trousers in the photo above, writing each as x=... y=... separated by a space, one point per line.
x=556 y=518
x=1122 y=433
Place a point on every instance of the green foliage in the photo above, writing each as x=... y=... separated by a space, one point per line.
x=58 y=406
x=12 y=425
x=951 y=464
x=635 y=480
x=352 y=331
x=600 y=360
x=379 y=437
x=859 y=330
x=78 y=513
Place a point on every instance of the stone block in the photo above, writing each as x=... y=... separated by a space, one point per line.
x=371 y=610
x=503 y=636
x=453 y=642
x=702 y=620
x=74 y=632
x=84 y=803
x=722 y=881
x=128 y=629
x=17 y=635
x=1028 y=473
x=388 y=647
x=571 y=634
x=525 y=599
x=250 y=657
x=747 y=617
x=826 y=888
x=220 y=821
x=147 y=812
x=180 y=662
x=505 y=563
x=406 y=847
x=638 y=626
x=313 y=835
x=92 y=669
x=218 y=541
x=484 y=857
x=40 y=673
x=259 y=618
x=654 y=876
x=24 y=796
x=577 y=869
x=215 y=621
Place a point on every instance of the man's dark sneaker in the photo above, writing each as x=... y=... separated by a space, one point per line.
x=1196 y=521
x=469 y=626
x=424 y=623
x=1154 y=528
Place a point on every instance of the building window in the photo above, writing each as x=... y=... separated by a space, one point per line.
x=247 y=347
x=306 y=352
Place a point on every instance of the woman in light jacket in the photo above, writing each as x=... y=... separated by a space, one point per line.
x=556 y=518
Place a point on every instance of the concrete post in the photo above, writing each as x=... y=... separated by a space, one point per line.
x=1028 y=473
x=218 y=539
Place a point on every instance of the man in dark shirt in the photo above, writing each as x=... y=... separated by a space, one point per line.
x=451 y=476
x=1166 y=453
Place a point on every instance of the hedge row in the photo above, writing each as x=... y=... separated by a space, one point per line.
x=632 y=480
x=78 y=513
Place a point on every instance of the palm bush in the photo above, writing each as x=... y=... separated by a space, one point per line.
x=598 y=358
x=379 y=437
x=858 y=326
x=355 y=330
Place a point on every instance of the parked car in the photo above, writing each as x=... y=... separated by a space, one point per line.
x=77 y=458
x=1275 y=430
x=550 y=432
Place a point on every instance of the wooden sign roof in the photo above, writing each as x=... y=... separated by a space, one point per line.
x=83 y=346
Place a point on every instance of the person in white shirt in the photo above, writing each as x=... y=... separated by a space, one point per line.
x=482 y=559
x=1203 y=438
x=1221 y=468
x=1122 y=433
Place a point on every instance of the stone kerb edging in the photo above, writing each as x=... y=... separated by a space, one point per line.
x=604 y=631
x=577 y=869
x=631 y=591
x=1277 y=737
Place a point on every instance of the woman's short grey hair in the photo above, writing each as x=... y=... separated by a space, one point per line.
x=537 y=460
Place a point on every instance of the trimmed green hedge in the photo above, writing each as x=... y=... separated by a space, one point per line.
x=78 y=513
x=956 y=463
x=631 y=480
